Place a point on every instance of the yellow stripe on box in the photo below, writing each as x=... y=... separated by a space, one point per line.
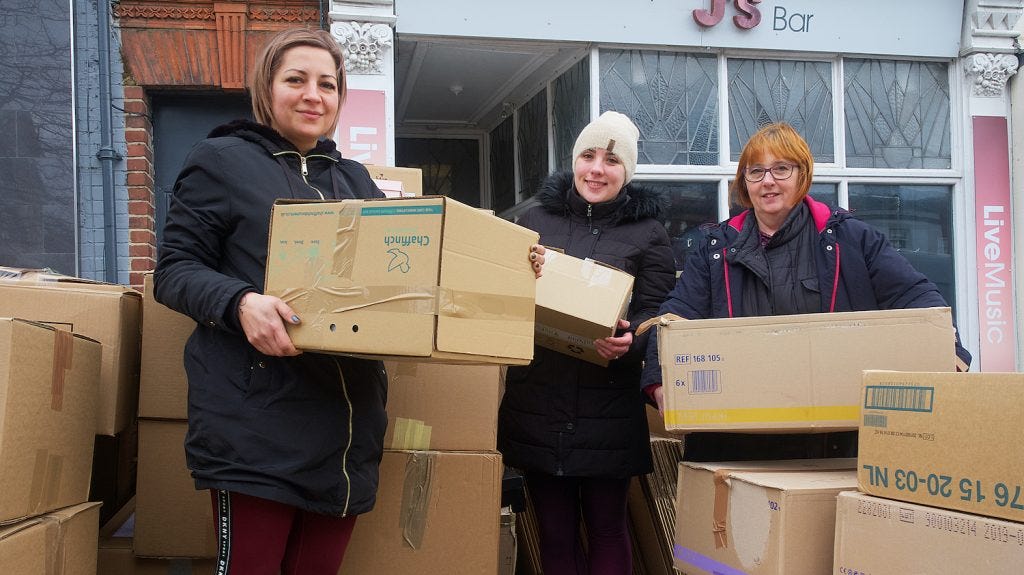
x=762 y=414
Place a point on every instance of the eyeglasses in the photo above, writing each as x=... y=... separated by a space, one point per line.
x=779 y=172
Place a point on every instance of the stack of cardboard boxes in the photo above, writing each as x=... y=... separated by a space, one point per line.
x=782 y=374
x=68 y=373
x=940 y=476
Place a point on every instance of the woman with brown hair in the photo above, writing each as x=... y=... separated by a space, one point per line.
x=288 y=443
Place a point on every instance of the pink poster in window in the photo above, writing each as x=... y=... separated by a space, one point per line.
x=994 y=244
x=362 y=131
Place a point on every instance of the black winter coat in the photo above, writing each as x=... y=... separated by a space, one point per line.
x=564 y=416
x=308 y=430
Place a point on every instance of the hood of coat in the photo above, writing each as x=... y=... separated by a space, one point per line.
x=635 y=202
x=269 y=138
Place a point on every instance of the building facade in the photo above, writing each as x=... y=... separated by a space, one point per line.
x=907 y=106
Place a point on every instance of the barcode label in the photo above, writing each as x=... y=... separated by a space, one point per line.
x=899 y=398
x=875 y=420
x=705 y=381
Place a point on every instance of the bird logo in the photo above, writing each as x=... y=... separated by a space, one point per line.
x=399 y=261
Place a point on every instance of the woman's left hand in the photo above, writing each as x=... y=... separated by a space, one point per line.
x=537 y=258
x=616 y=346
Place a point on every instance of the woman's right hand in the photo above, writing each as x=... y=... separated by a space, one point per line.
x=262 y=319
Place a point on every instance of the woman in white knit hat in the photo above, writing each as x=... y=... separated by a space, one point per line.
x=577 y=430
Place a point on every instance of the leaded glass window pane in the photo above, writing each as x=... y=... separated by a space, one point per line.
x=672 y=98
x=693 y=204
x=897 y=114
x=918 y=220
x=533 y=144
x=762 y=92
x=503 y=165
x=571 y=111
x=451 y=167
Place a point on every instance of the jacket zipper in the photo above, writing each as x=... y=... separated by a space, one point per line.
x=304 y=168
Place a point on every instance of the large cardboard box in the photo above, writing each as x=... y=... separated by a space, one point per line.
x=877 y=536
x=791 y=373
x=116 y=554
x=163 y=387
x=116 y=557
x=48 y=382
x=172 y=518
x=950 y=440
x=442 y=407
x=759 y=518
x=579 y=301
x=426 y=278
x=436 y=512
x=109 y=314
x=62 y=542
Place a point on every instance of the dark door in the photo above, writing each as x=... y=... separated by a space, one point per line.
x=179 y=121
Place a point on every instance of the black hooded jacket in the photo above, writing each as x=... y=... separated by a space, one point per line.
x=308 y=430
x=561 y=415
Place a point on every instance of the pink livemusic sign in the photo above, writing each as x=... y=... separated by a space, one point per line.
x=362 y=131
x=994 y=244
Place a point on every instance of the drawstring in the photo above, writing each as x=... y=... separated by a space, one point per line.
x=288 y=171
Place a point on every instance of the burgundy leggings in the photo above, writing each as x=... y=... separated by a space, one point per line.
x=558 y=502
x=261 y=537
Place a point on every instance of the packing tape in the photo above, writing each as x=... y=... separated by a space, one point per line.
x=428 y=300
x=475 y=305
x=63 y=353
x=410 y=434
x=416 y=491
x=46 y=476
x=762 y=415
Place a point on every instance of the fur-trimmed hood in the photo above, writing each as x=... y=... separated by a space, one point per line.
x=635 y=202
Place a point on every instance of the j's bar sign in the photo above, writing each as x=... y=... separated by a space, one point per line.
x=748 y=16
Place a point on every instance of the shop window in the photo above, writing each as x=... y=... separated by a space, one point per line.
x=918 y=220
x=897 y=114
x=762 y=92
x=502 y=166
x=692 y=206
x=532 y=139
x=451 y=167
x=672 y=97
x=570 y=110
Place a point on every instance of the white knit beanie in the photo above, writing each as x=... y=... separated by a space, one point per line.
x=614 y=132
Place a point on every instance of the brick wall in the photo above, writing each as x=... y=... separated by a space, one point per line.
x=141 y=204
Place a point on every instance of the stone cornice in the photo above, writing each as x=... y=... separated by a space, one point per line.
x=366 y=45
x=989 y=73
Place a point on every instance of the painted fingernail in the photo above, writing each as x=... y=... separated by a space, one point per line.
x=295 y=319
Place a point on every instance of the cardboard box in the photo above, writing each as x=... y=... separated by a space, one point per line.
x=109 y=314
x=411 y=179
x=48 y=382
x=877 y=536
x=62 y=542
x=172 y=518
x=426 y=278
x=950 y=440
x=163 y=387
x=436 y=512
x=579 y=301
x=442 y=407
x=759 y=518
x=791 y=373
x=117 y=556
